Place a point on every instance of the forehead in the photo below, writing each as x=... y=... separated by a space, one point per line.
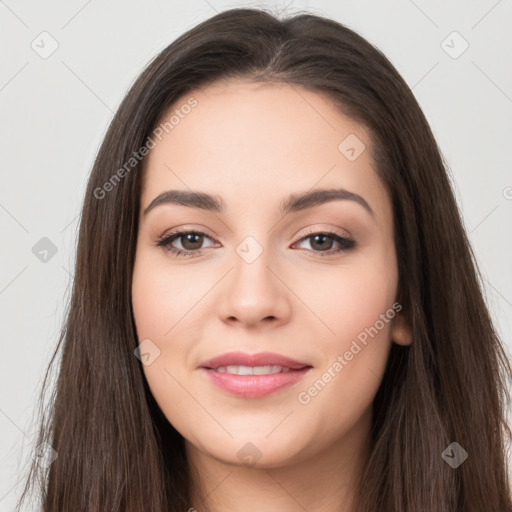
x=258 y=142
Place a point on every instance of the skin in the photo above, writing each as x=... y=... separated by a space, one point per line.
x=253 y=145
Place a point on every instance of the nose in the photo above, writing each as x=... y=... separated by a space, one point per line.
x=255 y=293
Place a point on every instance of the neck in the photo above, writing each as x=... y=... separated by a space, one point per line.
x=324 y=482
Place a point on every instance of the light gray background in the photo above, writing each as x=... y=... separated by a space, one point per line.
x=55 y=111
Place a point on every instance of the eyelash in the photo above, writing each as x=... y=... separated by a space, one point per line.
x=165 y=242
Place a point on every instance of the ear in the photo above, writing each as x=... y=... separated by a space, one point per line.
x=401 y=331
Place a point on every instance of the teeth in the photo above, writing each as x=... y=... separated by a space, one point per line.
x=252 y=370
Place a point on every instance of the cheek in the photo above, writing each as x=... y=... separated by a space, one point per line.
x=349 y=299
x=161 y=296
x=354 y=310
x=158 y=307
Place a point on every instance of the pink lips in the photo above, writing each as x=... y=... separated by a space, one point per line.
x=260 y=359
x=254 y=386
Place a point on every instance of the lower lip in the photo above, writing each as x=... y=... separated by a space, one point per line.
x=254 y=386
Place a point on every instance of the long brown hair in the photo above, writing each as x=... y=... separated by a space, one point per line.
x=116 y=450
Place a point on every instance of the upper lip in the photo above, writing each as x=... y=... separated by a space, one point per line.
x=259 y=359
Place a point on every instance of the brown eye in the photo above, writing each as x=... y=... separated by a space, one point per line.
x=191 y=243
x=322 y=243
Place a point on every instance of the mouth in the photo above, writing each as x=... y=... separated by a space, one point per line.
x=253 y=376
x=254 y=370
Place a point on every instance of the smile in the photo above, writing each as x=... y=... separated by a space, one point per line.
x=252 y=370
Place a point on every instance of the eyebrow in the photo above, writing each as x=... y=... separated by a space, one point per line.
x=293 y=203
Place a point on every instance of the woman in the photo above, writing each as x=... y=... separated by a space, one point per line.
x=275 y=304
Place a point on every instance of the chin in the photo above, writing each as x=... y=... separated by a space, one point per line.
x=253 y=451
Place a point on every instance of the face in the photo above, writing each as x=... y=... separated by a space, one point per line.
x=316 y=283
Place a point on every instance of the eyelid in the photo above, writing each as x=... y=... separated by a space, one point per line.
x=331 y=229
x=346 y=243
x=341 y=237
x=308 y=231
x=198 y=228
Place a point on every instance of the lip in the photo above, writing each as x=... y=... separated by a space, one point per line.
x=254 y=386
x=259 y=359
